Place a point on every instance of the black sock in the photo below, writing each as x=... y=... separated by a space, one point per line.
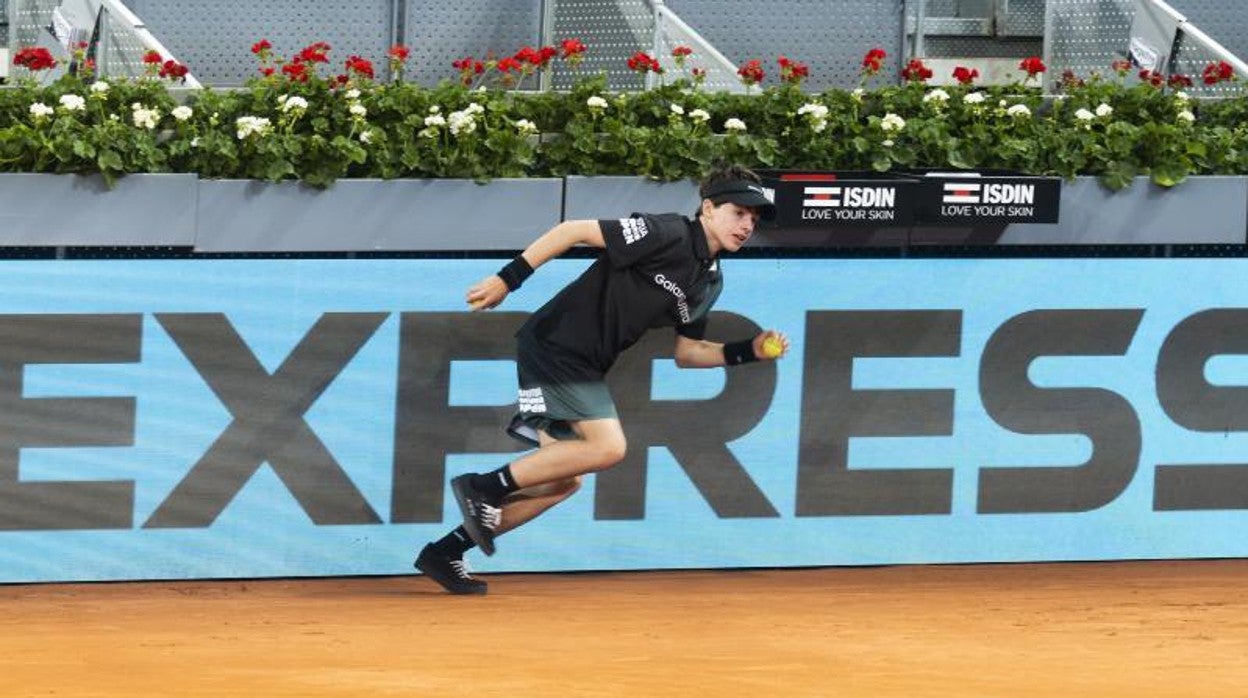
x=455 y=543
x=496 y=484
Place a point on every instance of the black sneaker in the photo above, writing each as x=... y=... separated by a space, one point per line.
x=450 y=572
x=481 y=516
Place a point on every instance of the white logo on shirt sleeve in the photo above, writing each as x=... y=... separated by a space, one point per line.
x=634 y=229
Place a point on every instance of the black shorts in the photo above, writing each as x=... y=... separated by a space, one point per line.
x=556 y=391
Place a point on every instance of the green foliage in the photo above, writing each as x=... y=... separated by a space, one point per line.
x=319 y=130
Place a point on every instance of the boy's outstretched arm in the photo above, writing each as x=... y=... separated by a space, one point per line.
x=490 y=291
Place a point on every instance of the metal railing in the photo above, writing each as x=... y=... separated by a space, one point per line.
x=620 y=28
x=119 y=38
x=1086 y=36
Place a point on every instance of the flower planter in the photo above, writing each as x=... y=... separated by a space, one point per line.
x=81 y=210
x=616 y=197
x=1209 y=210
x=374 y=215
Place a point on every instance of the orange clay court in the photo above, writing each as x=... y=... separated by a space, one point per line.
x=1164 y=628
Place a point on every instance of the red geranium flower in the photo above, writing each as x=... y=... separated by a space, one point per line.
x=296 y=70
x=964 y=75
x=873 y=62
x=751 y=72
x=34 y=58
x=570 y=48
x=533 y=58
x=399 y=53
x=1122 y=67
x=643 y=63
x=153 y=57
x=1153 y=78
x=1178 y=81
x=916 y=71
x=173 y=70
x=261 y=48
x=1033 y=66
x=360 y=66
x=1218 y=72
x=791 y=71
x=315 y=53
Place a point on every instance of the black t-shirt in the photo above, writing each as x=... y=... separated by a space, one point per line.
x=656 y=271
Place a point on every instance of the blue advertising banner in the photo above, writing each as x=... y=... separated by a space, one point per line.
x=248 y=418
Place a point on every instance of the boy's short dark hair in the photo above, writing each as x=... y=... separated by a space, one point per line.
x=726 y=173
x=737 y=184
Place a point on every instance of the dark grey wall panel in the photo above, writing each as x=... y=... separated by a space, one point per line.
x=831 y=37
x=440 y=33
x=214 y=37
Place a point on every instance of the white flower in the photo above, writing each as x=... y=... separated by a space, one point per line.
x=817 y=114
x=462 y=122
x=858 y=93
x=1003 y=104
x=435 y=109
x=700 y=115
x=677 y=110
x=352 y=93
x=1186 y=116
x=1104 y=110
x=1182 y=97
x=596 y=102
x=252 y=126
x=182 y=113
x=366 y=137
x=888 y=143
x=144 y=117
x=1019 y=111
x=937 y=95
x=734 y=124
x=474 y=108
x=892 y=123
x=293 y=103
x=99 y=87
x=40 y=110
x=73 y=103
x=1084 y=115
x=435 y=120
x=281 y=99
x=526 y=127
x=817 y=111
x=974 y=98
x=358 y=110
x=195 y=142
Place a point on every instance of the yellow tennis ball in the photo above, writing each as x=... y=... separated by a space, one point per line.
x=772 y=348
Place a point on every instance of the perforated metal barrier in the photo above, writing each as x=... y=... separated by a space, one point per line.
x=1086 y=36
x=214 y=36
x=122 y=40
x=440 y=33
x=831 y=37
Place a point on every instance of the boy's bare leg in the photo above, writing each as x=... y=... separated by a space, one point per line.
x=529 y=503
x=600 y=446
